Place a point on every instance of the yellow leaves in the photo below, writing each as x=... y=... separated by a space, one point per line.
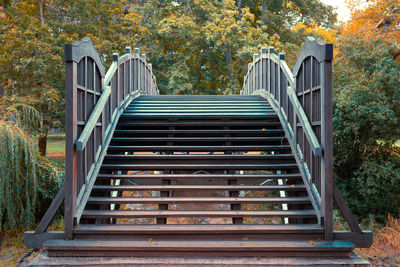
x=328 y=35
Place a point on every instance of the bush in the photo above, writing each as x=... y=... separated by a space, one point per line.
x=366 y=122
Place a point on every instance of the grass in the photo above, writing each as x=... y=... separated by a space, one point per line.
x=11 y=247
x=12 y=244
x=385 y=251
x=56 y=144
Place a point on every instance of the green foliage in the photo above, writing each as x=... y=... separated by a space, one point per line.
x=366 y=126
x=203 y=47
x=25 y=177
x=31 y=48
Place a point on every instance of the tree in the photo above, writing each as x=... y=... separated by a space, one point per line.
x=26 y=178
x=200 y=46
x=366 y=125
x=32 y=36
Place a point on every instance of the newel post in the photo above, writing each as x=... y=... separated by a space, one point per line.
x=71 y=156
x=327 y=141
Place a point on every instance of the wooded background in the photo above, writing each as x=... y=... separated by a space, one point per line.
x=203 y=47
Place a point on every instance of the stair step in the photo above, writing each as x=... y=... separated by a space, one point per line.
x=197 y=228
x=293 y=187
x=197 y=213
x=199 y=166
x=197 y=139
x=262 y=123
x=199 y=107
x=197 y=132
x=201 y=157
x=202 y=200
x=200 y=176
x=221 y=115
x=216 y=102
x=212 y=110
x=199 y=148
x=197 y=248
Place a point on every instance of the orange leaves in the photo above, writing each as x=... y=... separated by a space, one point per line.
x=377 y=19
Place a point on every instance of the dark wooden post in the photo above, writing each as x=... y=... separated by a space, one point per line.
x=327 y=141
x=71 y=156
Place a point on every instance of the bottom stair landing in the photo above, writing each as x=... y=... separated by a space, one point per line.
x=167 y=248
x=43 y=260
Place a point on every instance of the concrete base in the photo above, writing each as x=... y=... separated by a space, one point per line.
x=42 y=260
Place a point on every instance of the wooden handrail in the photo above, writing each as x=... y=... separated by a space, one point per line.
x=95 y=101
x=303 y=101
x=305 y=123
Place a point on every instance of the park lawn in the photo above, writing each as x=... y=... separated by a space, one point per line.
x=56 y=144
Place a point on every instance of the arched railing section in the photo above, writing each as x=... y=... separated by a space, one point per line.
x=303 y=101
x=94 y=102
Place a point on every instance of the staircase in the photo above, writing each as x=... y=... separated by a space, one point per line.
x=198 y=175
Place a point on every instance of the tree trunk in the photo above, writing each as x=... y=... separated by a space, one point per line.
x=239 y=3
x=41 y=12
x=263 y=11
x=228 y=58
x=42 y=144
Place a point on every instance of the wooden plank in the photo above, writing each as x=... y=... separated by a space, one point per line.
x=247 y=122
x=199 y=148
x=193 y=139
x=190 y=245
x=201 y=176
x=36 y=240
x=197 y=228
x=210 y=131
x=71 y=164
x=327 y=143
x=293 y=187
x=196 y=213
x=216 y=200
x=345 y=210
x=198 y=166
x=51 y=211
x=361 y=240
x=199 y=156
